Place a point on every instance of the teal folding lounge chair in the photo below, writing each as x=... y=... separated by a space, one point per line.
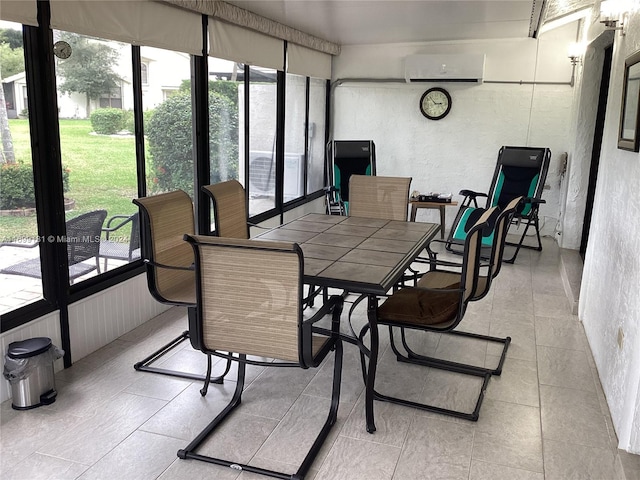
x=346 y=158
x=520 y=171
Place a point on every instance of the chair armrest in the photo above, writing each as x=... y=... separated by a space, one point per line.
x=108 y=229
x=170 y=267
x=471 y=193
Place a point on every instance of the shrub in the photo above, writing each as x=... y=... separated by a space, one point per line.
x=107 y=121
x=17 y=185
x=169 y=131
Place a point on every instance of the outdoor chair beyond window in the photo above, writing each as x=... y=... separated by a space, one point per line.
x=165 y=219
x=424 y=308
x=125 y=251
x=249 y=303
x=346 y=158
x=83 y=244
x=520 y=171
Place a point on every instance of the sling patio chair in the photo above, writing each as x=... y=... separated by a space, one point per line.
x=230 y=212
x=116 y=250
x=250 y=304
x=386 y=198
x=83 y=244
x=443 y=273
x=346 y=158
x=520 y=171
x=165 y=219
x=424 y=308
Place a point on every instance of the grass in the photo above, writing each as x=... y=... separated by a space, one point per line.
x=102 y=173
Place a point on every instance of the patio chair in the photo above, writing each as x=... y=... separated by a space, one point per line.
x=249 y=303
x=125 y=251
x=229 y=209
x=427 y=309
x=520 y=171
x=386 y=198
x=441 y=275
x=346 y=158
x=165 y=219
x=82 y=238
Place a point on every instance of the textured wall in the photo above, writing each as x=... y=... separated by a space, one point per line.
x=460 y=150
x=609 y=300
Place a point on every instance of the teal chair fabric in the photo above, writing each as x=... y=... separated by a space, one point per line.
x=520 y=171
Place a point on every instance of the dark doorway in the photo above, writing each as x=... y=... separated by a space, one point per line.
x=597 y=145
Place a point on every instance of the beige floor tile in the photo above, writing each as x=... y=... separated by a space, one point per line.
x=567 y=460
x=574 y=416
x=564 y=368
x=518 y=382
x=354 y=459
x=509 y=434
x=564 y=332
x=44 y=467
x=493 y=471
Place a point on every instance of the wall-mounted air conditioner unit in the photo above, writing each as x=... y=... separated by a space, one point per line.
x=455 y=67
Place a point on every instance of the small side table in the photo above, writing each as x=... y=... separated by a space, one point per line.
x=415 y=205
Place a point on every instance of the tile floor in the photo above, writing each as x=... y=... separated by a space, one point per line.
x=544 y=418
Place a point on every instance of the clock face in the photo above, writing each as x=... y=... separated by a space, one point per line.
x=62 y=49
x=435 y=103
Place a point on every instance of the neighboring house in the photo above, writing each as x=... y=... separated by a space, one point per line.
x=15 y=94
x=161 y=77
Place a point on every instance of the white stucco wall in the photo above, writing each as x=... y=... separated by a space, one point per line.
x=459 y=151
x=609 y=300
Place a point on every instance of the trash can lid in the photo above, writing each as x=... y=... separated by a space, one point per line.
x=29 y=348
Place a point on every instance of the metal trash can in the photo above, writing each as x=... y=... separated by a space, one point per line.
x=29 y=368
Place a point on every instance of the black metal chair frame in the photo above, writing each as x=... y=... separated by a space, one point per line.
x=118 y=250
x=334 y=306
x=499 y=227
x=369 y=371
x=146 y=364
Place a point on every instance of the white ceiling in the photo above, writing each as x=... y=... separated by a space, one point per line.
x=356 y=22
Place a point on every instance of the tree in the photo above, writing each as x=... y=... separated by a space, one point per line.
x=89 y=69
x=11 y=36
x=11 y=60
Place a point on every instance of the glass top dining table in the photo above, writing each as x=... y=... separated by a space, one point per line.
x=360 y=255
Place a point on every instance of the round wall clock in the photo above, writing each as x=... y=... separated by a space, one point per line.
x=435 y=103
x=62 y=49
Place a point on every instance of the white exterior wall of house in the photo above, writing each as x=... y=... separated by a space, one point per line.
x=164 y=76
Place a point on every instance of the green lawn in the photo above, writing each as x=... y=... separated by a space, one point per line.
x=102 y=173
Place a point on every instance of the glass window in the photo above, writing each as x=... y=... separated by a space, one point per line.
x=20 y=272
x=226 y=108
x=98 y=154
x=168 y=123
x=294 y=136
x=262 y=139
x=317 y=135
x=144 y=73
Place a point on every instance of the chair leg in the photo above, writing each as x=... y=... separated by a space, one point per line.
x=416 y=358
x=372 y=394
x=533 y=220
x=189 y=451
x=145 y=365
